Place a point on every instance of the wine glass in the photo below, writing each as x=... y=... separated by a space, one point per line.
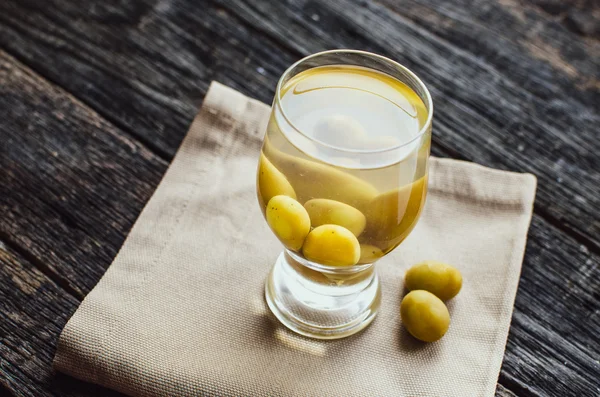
x=342 y=179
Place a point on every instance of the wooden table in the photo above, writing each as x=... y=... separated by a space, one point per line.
x=95 y=97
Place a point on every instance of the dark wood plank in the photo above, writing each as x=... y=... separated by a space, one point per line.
x=528 y=47
x=513 y=89
x=554 y=346
x=33 y=310
x=144 y=65
x=71 y=184
x=66 y=202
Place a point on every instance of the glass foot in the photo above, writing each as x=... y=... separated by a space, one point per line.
x=328 y=303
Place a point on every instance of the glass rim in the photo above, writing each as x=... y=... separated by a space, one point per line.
x=429 y=101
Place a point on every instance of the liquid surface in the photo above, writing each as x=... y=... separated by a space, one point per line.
x=323 y=158
x=351 y=108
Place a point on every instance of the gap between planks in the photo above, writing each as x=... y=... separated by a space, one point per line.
x=151 y=147
x=41 y=266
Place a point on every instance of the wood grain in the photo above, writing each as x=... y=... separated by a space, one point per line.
x=515 y=86
x=553 y=346
x=144 y=65
x=33 y=310
x=502 y=391
x=72 y=184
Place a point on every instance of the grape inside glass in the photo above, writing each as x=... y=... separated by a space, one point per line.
x=342 y=180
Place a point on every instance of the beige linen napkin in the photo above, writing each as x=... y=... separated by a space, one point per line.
x=180 y=312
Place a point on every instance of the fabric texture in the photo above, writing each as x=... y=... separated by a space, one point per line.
x=180 y=312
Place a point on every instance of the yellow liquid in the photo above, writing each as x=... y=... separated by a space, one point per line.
x=344 y=111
